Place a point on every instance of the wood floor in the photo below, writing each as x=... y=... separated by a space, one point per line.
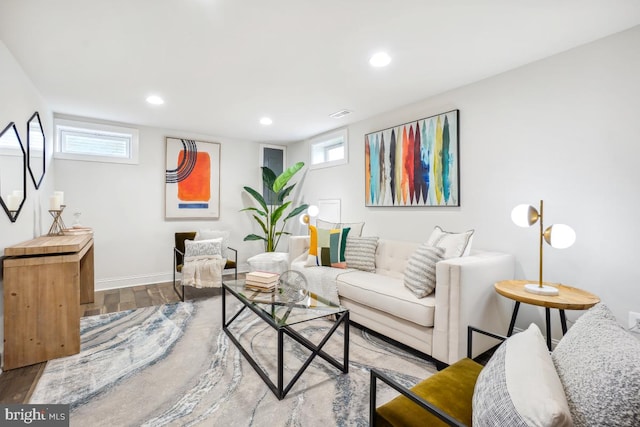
x=16 y=385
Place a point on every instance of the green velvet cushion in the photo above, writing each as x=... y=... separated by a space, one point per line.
x=179 y=242
x=451 y=390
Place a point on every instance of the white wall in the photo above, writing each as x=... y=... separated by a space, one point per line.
x=20 y=99
x=564 y=129
x=124 y=204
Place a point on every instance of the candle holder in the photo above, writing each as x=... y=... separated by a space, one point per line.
x=58 y=225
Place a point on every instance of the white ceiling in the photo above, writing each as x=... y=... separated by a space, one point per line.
x=220 y=65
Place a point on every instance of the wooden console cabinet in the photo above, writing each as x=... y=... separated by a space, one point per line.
x=45 y=281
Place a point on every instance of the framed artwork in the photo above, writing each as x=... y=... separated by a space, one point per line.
x=192 y=179
x=414 y=164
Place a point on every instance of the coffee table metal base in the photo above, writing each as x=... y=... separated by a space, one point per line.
x=280 y=390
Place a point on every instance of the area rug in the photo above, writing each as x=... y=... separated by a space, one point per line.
x=172 y=365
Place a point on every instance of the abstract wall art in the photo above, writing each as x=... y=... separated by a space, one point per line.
x=414 y=164
x=192 y=179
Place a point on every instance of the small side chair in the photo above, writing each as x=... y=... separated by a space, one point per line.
x=444 y=399
x=178 y=259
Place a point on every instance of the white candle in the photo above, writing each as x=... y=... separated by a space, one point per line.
x=60 y=195
x=54 y=203
x=13 y=202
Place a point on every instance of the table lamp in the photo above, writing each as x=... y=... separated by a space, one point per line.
x=559 y=236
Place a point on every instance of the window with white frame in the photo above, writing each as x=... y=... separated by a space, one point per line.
x=98 y=142
x=329 y=149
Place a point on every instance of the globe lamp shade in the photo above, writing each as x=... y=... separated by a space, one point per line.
x=560 y=236
x=313 y=211
x=524 y=215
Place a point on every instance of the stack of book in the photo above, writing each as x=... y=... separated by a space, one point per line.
x=261 y=281
x=77 y=230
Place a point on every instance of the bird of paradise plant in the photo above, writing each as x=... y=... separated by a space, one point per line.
x=270 y=216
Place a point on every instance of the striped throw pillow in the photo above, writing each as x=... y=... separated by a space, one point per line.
x=360 y=253
x=420 y=273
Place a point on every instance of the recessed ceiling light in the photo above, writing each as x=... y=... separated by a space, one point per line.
x=339 y=114
x=155 y=100
x=380 y=59
x=266 y=121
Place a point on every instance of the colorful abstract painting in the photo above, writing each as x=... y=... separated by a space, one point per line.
x=192 y=179
x=414 y=164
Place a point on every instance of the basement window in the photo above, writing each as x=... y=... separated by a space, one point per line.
x=97 y=142
x=329 y=149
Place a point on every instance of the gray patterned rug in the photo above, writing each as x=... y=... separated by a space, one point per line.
x=173 y=365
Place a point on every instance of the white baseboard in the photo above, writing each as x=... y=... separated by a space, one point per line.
x=144 y=279
x=129 y=281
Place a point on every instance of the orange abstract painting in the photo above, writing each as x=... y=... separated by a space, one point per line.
x=192 y=179
x=197 y=186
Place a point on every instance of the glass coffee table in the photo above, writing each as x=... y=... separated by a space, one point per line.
x=281 y=310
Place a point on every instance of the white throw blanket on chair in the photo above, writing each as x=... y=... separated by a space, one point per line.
x=203 y=271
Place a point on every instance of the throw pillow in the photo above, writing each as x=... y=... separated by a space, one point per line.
x=327 y=247
x=202 y=248
x=215 y=234
x=356 y=227
x=360 y=253
x=420 y=273
x=598 y=362
x=519 y=386
x=455 y=244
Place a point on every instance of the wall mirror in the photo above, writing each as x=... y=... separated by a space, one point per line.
x=36 y=149
x=13 y=172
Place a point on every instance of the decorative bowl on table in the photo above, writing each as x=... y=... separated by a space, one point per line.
x=292 y=286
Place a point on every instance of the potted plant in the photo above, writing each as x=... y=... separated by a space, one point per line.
x=270 y=216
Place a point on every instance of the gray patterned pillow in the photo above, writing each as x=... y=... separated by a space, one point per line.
x=519 y=386
x=215 y=234
x=202 y=248
x=599 y=365
x=360 y=253
x=420 y=273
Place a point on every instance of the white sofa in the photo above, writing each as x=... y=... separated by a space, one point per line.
x=435 y=325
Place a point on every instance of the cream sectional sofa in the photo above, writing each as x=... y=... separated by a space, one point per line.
x=435 y=325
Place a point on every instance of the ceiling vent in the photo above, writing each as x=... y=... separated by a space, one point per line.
x=339 y=114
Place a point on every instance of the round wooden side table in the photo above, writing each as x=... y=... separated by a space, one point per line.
x=569 y=298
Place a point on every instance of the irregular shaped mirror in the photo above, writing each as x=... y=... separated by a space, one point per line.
x=13 y=171
x=36 y=149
